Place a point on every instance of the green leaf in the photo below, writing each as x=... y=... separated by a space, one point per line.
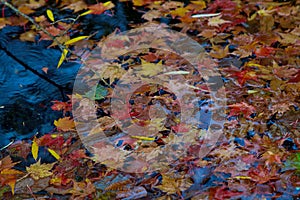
x=100 y=93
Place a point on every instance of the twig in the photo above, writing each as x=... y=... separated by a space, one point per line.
x=60 y=45
x=16 y=10
x=31 y=192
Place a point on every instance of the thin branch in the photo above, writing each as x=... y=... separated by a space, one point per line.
x=16 y=10
x=60 y=45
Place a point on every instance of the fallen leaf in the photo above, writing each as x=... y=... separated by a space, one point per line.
x=75 y=40
x=34 y=148
x=50 y=15
x=65 y=124
x=216 y=21
x=241 y=108
x=38 y=170
x=62 y=58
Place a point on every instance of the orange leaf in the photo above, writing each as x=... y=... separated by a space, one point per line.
x=65 y=124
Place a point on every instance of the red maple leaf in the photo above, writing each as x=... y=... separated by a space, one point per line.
x=241 y=108
x=244 y=75
x=264 y=51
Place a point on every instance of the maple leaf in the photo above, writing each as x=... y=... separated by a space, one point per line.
x=141 y=2
x=82 y=189
x=65 y=124
x=60 y=180
x=224 y=193
x=52 y=30
x=150 y=69
x=271 y=157
x=180 y=12
x=241 y=108
x=152 y=14
x=38 y=170
x=216 y=21
x=76 y=6
x=264 y=51
x=62 y=106
x=172 y=184
x=219 y=53
x=244 y=75
x=113 y=72
x=262 y=175
x=99 y=8
x=8 y=176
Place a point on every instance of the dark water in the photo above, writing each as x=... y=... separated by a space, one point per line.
x=25 y=96
x=26 y=91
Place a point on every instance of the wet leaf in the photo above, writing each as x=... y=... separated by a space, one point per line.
x=50 y=15
x=38 y=170
x=216 y=21
x=62 y=58
x=241 y=108
x=75 y=40
x=34 y=148
x=65 y=124
x=54 y=154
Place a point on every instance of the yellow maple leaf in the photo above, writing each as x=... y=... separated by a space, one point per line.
x=150 y=69
x=172 y=184
x=218 y=52
x=179 y=12
x=38 y=170
x=65 y=124
x=216 y=21
x=113 y=72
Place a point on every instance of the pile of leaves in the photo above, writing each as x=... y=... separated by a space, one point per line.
x=255 y=47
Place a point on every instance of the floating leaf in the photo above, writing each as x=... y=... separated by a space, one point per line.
x=62 y=57
x=99 y=94
x=75 y=40
x=54 y=154
x=241 y=108
x=65 y=124
x=50 y=15
x=38 y=170
x=217 y=21
x=34 y=148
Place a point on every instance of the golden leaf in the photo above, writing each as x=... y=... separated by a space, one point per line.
x=34 y=148
x=38 y=170
x=76 y=40
x=216 y=21
x=65 y=124
x=50 y=15
x=62 y=57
